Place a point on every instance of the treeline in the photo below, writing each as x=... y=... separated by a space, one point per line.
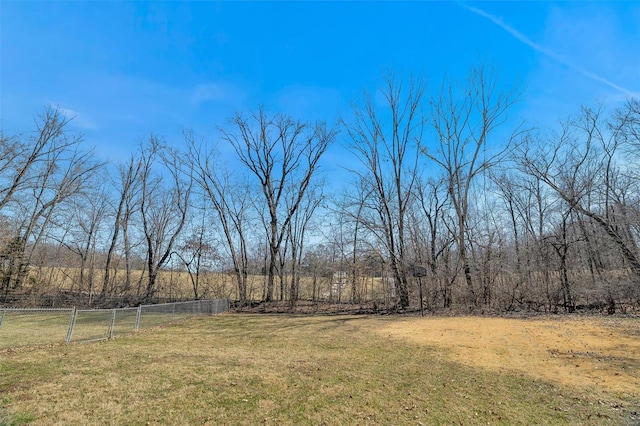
x=446 y=201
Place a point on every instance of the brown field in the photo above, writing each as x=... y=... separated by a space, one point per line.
x=335 y=370
x=177 y=285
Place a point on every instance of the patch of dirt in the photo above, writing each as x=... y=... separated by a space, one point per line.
x=585 y=352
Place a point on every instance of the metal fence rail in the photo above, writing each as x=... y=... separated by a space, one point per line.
x=25 y=327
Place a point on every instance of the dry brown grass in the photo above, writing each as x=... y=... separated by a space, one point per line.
x=332 y=370
x=177 y=284
x=582 y=352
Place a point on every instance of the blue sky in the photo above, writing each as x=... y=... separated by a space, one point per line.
x=127 y=69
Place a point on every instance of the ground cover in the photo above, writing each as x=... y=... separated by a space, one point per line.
x=333 y=370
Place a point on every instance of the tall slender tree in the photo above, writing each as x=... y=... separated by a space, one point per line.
x=385 y=135
x=164 y=206
x=128 y=188
x=283 y=155
x=464 y=119
x=230 y=199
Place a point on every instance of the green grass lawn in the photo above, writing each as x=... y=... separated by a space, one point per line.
x=33 y=328
x=278 y=370
x=29 y=328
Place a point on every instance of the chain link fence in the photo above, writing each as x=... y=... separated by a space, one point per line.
x=41 y=326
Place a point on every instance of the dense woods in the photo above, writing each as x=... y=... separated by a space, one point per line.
x=452 y=202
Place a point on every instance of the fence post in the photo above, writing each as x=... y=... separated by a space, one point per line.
x=72 y=322
x=113 y=321
x=138 y=313
x=173 y=311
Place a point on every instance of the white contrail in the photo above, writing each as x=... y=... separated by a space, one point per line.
x=523 y=38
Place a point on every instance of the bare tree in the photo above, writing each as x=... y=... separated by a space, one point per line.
x=282 y=154
x=84 y=222
x=627 y=120
x=163 y=206
x=318 y=264
x=464 y=119
x=349 y=210
x=46 y=174
x=431 y=238
x=230 y=201
x=20 y=157
x=579 y=166
x=127 y=187
x=517 y=203
x=432 y=201
x=298 y=231
x=197 y=255
x=386 y=141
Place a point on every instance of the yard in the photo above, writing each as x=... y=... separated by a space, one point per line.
x=236 y=369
